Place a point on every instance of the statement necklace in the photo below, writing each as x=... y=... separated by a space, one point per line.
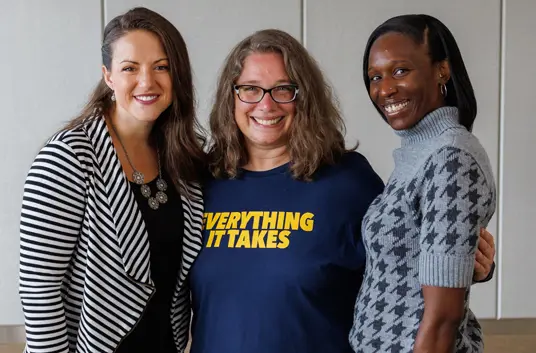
x=139 y=179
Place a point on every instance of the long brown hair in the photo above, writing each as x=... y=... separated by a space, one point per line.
x=316 y=135
x=177 y=130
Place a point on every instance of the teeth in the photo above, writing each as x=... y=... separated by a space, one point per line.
x=146 y=98
x=393 y=108
x=268 y=122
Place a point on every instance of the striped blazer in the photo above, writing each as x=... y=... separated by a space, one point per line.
x=84 y=252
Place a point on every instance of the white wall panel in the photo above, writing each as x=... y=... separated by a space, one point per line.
x=517 y=291
x=50 y=60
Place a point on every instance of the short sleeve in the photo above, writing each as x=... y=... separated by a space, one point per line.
x=456 y=200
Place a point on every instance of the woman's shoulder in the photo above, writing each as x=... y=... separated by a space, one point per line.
x=470 y=143
x=80 y=135
x=355 y=162
x=462 y=143
x=461 y=154
x=68 y=135
x=353 y=169
x=71 y=141
x=69 y=148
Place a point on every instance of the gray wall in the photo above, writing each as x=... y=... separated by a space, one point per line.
x=50 y=61
x=517 y=278
x=51 y=57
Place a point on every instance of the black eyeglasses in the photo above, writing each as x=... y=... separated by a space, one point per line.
x=254 y=94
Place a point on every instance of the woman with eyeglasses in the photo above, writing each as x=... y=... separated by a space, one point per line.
x=282 y=257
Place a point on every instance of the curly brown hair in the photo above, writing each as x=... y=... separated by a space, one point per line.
x=177 y=130
x=316 y=135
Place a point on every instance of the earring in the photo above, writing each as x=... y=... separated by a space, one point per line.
x=443 y=89
x=112 y=98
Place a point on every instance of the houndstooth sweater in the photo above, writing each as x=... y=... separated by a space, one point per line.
x=423 y=231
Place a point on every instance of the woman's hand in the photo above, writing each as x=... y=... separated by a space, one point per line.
x=484 y=256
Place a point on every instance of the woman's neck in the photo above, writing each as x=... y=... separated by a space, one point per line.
x=260 y=159
x=134 y=134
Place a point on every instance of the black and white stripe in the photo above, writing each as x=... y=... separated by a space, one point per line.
x=84 y=253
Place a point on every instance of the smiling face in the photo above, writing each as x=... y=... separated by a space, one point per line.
x=265 y=124
x=140 y=76
x=404 y=84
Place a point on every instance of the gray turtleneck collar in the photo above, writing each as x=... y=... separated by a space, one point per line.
x=432 y=125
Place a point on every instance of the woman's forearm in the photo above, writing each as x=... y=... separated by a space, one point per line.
x=436 y=336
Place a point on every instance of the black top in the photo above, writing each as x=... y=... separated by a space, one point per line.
x=153 y=333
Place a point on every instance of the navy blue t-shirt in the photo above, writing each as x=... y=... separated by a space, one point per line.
x=282 y=260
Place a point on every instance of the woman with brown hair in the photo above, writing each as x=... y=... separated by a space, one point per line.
x=112 y=211
x=283 y=259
